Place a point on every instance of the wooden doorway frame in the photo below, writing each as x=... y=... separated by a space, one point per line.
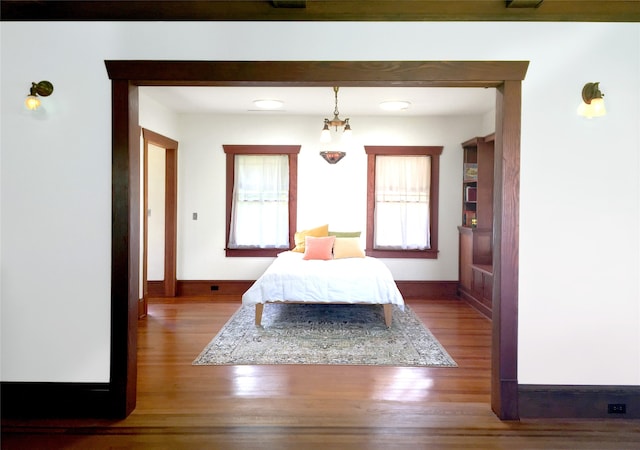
x=166 y=288
x=126 y=76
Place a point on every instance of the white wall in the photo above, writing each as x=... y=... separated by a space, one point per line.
x=333 y=194
x=156 y=195
x=579 y=299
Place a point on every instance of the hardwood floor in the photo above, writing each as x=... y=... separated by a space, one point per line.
x=181 y=406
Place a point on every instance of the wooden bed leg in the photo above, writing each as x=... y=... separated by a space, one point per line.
x=388 y=313
x=259 y=308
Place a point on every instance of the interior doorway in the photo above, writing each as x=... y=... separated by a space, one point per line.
x=126 y=76
x=159 y=217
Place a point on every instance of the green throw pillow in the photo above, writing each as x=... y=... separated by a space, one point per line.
x=344 y=233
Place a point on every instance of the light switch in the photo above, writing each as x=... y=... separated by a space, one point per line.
x=195 y=216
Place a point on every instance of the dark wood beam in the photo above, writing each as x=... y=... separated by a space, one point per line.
x=316 y=73
x=523 y=3
x=289 y=3
x=320 y=10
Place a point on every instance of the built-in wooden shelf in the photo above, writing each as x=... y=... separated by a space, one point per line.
x=476 y=230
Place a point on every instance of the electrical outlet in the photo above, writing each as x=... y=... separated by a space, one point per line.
x=617 y=408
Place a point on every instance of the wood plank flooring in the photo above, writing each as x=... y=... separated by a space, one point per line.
x=181 y=406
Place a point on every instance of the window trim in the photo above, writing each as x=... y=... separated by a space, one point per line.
x=434 y=151
x=292 y=151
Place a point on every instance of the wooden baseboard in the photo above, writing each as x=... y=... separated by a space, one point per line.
x=428 y=290
x=43 y=400
x=468 y=296
x=578 y=402
x=155 y=289
x=142 y=308
x=409 y=289
x=211 y=288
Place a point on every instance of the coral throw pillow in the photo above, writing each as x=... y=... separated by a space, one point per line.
x=318 y=247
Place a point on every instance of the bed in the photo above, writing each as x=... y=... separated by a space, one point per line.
x=293 y=279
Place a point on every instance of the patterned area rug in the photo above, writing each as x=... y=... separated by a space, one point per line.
x=325 y=334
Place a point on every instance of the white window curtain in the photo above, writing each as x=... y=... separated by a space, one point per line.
x=402 y=202
x=260 y=207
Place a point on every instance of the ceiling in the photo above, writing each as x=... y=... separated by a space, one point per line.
x=320 y=101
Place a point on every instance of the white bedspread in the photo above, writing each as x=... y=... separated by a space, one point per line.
x=348 y=280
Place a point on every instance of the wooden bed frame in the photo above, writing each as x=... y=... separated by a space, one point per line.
x=388 y=310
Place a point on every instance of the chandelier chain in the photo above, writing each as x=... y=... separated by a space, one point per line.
x=335 y=111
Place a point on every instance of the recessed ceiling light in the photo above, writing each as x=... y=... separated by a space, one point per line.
x=395 y=105
x=268 y=104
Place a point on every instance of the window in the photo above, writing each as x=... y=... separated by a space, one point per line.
x=261 y=199
x=402 y=201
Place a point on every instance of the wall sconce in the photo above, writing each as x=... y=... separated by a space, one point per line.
x=332 y=157
x=43 y=89
x=592 y=102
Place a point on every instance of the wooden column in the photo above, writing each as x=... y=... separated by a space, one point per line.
x=125 y=237
x=504 y=367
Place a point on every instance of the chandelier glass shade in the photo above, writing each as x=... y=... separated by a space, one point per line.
x=332 y=157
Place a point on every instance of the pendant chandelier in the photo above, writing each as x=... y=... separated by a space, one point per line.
x=333 y=157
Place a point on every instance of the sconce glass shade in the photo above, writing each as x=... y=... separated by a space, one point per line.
x=594 y=109
x=592 y=102
x=32 y=102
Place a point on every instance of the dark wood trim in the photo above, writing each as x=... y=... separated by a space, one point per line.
x=255 y=252
x=145 y=217
x=125 y=246
x=379 y=73
x=142 y=308
x=155 y=289
x=317 y=73
x=203 y=288
x=326 y=10
x=292 y=151
x=171 y=221
x=170 y=212
x=469 y=297
x=30 y=400
x=506 y=207
x=434 y=151
x=581 y=402
x=402 y=254
x=428 y=290
x=261 y=149
x=158 y=139
x=524 y=3
x=404 y=150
